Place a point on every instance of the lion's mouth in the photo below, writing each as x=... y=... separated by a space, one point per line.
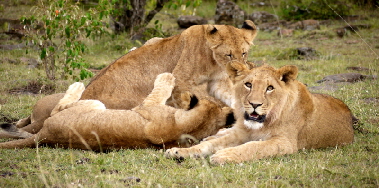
x=255 y=117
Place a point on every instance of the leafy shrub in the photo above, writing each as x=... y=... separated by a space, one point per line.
x=366 y=3
x=58 y=28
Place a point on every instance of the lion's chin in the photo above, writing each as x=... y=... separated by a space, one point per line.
x=252 y=124
x=255 y=117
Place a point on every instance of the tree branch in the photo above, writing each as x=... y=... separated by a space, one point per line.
x=158 y=7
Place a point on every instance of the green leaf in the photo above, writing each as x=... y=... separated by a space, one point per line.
x=43 y=53
x=68 y=43
x=188 y=3
x=88 y=32
x=51 y=49
x=83 y=21
x=48 y=31
x=67 y=31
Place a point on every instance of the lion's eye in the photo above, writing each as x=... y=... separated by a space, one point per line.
x=270 y=88
x=248 y=85
x=244 y=54
x=229 y=56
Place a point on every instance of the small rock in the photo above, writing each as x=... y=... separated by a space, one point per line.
x=263 y=17
x=307 y=53
x=188 y=21
x=228 y=12
x=309 y=25
x=358 y=68
x=285 y=32
x=341 y=32
x=346 y=77
x=372 y=100
x=327 y=86
x=272 y=25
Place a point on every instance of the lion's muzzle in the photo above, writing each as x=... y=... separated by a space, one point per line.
x=255 y=117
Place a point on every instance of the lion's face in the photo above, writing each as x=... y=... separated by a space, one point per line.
x=225 y=44
x=261 y=92
x=231 y=50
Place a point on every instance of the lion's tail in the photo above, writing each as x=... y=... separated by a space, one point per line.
x=8 y=130
x=29 y=142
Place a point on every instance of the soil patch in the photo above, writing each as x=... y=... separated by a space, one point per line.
x=33 y=87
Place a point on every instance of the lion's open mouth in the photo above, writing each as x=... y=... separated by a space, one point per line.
x=255 y=117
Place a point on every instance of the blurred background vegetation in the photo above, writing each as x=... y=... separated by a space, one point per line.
x=62 y=25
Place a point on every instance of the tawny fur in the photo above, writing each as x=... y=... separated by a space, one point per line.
x=294 y=118
x=196 y=57
x=87 y=124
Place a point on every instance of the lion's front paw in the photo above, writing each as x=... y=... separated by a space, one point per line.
x=73 y=93
x=225 y=156
x=181 y=153
x=165 y=79
x=75 y=90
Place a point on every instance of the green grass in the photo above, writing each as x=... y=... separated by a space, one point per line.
x=355 y=165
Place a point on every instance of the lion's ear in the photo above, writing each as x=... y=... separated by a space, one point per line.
x=250 y=31
x=212 y=34
x=288 y=73
x=235 y=70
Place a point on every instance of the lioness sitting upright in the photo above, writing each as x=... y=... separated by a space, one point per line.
x=196 y=57
x=87 y=124
x=276 y=115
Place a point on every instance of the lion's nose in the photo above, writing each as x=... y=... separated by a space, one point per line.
x=255 y=105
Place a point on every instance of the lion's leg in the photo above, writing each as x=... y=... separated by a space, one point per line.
x=29 y=142
x=73 y=94
x=254 y=150
x=220 y=87
x=236 y=137
x=23 y=122
x=220 y=133
x=163 y=86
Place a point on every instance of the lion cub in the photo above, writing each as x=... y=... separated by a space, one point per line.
x=87 y=124
x=276 y=115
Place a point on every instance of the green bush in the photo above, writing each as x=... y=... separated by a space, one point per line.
x=59 y=28
x=313 y=9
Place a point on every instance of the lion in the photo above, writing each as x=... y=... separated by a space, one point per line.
x=87 y=124
x=197 y=58
x=276 y=115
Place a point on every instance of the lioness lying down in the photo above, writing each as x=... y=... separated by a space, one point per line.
x=87 y=124
x=196 y=57
x=276 y=115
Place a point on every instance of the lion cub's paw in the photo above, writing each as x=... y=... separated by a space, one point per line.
x=181 y=153
x=73 y=94
x=188 y=100
x=165 y=79
x=74 y=91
